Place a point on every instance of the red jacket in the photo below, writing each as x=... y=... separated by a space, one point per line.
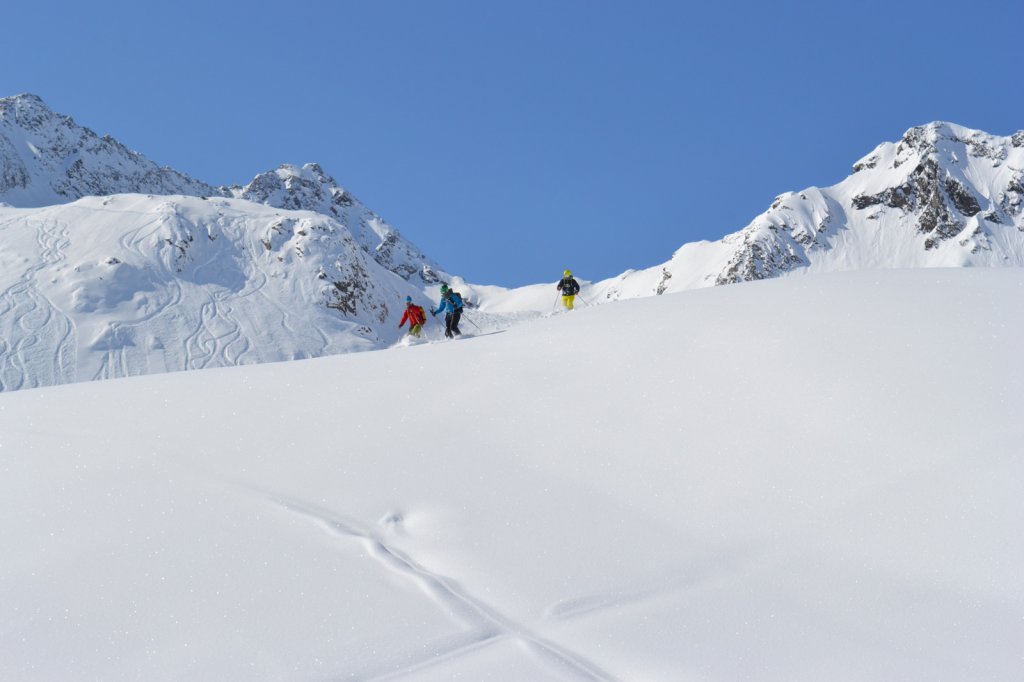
x=414 y=314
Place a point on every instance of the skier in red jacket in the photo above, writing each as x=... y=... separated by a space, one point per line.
x=415 y=316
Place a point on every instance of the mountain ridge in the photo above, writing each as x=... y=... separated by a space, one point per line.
x=67 y=161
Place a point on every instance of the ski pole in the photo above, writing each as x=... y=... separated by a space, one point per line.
x=554 y=305
x=471 y=322
x=585 y=301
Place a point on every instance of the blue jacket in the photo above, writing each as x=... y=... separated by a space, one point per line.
x=448 y=304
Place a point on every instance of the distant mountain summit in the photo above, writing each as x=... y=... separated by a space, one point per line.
x=309 y=188
x=47 y=159
x=942 y=196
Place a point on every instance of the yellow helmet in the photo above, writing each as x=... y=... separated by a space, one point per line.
x=568 y=273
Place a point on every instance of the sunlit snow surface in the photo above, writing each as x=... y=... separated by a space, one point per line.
x=815 y=478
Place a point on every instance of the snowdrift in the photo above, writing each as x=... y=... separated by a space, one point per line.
x=810 y=478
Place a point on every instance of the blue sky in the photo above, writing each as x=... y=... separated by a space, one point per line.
x=510 y=140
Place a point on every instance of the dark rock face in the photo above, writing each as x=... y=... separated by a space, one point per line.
x=962 y=197
x=1016 y=183
x=923 y=191
x=867 y=164
x=935 y=217
x=13 y=173
x=762 y=257
x=663 y=285
x=347 y=292
x=1012 y=200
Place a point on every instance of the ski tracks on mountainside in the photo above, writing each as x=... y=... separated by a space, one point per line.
x=122 y=333
x=217 y=338
x=225 y=331
x=116 y=362
x=37 y=340
x=487 y=624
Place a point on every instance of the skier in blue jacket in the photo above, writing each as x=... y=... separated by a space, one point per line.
x=451 y=304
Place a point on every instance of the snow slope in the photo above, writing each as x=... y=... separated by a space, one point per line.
x=807 y=478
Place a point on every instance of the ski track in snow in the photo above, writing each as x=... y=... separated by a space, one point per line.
x=207 y=345
x=116 y=363
x=488 y=624
x=217 y=339
x=45 y=353
x=217 y=331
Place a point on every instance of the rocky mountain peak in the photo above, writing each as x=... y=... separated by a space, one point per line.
x=954 y=141
x=943 y=195
x=306 y=188
x=311 y=188
x=46 y=158
x=26 y=110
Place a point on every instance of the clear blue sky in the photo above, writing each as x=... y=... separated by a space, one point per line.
x=513 y=139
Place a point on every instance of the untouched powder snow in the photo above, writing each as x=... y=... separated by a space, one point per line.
x=812 y=478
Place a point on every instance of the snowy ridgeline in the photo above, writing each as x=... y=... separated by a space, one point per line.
x=802 y=479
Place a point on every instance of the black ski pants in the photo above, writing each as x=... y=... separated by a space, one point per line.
x=451 y=323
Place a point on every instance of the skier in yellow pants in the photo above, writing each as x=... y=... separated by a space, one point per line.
x=569 y=288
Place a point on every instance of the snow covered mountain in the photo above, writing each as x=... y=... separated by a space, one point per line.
x=46 y=158
x=943 y=196
x=113 y=266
